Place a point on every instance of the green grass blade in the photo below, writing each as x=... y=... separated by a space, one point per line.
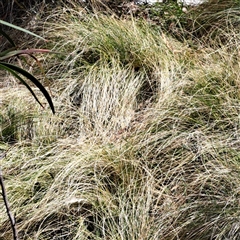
x=21 y=29
x=8 y=54
x=21 y=80
x=32 y=79
x=7 y=37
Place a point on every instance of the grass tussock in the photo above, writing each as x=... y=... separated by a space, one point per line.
x=144 y=143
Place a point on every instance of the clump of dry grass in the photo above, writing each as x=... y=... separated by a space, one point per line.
x=144 y=144
x=215 y=22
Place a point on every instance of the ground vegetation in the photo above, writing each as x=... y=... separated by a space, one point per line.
x=145 y=140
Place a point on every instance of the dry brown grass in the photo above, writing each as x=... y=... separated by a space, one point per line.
x=144 y=144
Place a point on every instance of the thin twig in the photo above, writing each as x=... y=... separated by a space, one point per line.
x=11 y=217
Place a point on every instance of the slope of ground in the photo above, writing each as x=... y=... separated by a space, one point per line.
x=145 y=140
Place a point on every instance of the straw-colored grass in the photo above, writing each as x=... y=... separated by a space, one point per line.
x=144 y=143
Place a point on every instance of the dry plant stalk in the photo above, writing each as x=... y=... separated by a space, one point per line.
x=9 y=213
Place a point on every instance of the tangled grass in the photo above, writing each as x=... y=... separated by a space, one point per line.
x=144 y=144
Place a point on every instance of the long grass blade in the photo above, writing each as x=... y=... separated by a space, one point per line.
x=7 y=37
x=21 y=80
x=21 y=29
x=14 y=53
x=13 y=69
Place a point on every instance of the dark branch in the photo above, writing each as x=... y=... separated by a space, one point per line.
x=11 y=217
